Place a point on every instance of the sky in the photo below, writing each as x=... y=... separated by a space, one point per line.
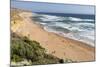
x=53 y=8
x=85 y=2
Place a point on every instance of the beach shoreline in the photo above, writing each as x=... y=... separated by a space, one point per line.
x=69 y=35
x=92 y=44
x=55 y=44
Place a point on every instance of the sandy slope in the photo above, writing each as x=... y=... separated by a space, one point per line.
x=55 y=44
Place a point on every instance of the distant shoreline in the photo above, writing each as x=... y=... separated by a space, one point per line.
x=61 y=14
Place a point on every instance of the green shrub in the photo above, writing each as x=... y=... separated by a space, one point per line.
x=24 y=48
x=16 y=58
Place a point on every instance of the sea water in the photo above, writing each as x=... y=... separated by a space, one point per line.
x=78 y=27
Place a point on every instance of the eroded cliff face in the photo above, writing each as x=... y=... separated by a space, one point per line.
x=16 y=19
x=18 y=25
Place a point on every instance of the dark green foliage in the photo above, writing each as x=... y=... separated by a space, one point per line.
x=23 y=48
x=16 y=58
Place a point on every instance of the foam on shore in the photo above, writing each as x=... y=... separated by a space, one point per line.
x=71 y=27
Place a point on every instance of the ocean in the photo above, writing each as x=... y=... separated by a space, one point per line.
x=79 y=26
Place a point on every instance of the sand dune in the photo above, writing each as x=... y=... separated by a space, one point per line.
x=56 y=45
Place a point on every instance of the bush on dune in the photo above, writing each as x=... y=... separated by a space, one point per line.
x=23 y=48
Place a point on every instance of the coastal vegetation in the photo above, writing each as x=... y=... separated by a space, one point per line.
x=23 y=48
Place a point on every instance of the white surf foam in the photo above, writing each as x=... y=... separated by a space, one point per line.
x=78 y=30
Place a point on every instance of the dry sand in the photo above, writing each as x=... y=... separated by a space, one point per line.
x=56 y=45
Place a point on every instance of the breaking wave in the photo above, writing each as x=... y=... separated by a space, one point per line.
x=72 y=27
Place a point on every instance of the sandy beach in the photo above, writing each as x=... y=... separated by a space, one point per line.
x=64 y=48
